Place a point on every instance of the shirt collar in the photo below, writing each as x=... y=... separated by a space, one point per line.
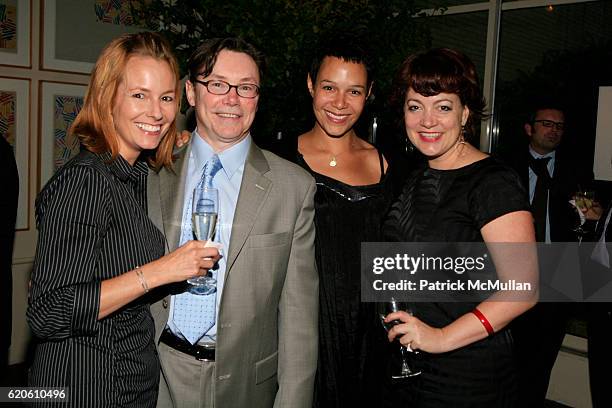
x=231 y=158
x=122 y=169
x=537 y=155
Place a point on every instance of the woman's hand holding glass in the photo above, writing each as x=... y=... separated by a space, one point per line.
x=392 y=307
x=192 y=259
x=414 y=334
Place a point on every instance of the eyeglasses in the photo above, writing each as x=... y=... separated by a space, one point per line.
x=218 y=87
x=550 y=124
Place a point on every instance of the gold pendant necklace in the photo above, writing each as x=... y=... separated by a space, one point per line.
x=333 y=160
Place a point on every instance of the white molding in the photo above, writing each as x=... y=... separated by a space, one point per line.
x=521 y=4
x=466 y=8
x=483 y=6
x=488 y=131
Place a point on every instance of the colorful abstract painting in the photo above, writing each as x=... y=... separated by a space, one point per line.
x=117 y=12
x=8 y=25
x=8 y=102
x=66 y=109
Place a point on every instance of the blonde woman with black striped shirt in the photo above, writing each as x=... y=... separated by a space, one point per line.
x=98 y=253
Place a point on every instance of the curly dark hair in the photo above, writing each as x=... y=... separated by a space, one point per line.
x=441 y=70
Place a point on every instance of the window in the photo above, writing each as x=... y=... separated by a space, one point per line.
x=562 y=52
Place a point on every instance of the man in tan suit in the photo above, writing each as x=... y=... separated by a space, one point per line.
x=252 y=343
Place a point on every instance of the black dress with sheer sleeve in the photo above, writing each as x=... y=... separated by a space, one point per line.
x=351 y=338
x=452 y=206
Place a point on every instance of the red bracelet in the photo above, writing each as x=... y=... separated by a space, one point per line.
x=484 y=321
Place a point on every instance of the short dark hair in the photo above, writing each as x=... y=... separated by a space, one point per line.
x=204 y=58
x=346 y=47
x=540 y=105
x=441 y=70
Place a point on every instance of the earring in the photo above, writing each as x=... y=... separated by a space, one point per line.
x=409 y=147
x=462 y=136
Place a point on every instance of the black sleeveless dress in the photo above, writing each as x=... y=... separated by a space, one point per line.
x=350 y=335
x=452 y=206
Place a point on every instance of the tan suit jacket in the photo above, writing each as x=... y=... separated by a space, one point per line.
x=267 y=332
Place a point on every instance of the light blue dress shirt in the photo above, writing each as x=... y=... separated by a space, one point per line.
x=533 y=178
x=228 y=181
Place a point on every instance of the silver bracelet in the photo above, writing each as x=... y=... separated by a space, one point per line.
x=142 y=279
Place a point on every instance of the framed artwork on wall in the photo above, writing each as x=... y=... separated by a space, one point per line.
x=15 y=128
x=59 y=105
x=15 y=32
x=75 y=31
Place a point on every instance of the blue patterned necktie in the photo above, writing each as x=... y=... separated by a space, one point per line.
x=211 y=168
x=193 y=314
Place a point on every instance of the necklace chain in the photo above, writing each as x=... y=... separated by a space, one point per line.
x=333 y=161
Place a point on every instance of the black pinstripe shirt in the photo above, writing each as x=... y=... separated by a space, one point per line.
x=93 y=225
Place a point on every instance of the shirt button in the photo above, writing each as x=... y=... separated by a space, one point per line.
x=224 y=377
x=165 y=304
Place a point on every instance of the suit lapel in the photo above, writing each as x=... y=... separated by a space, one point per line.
x=172 y=192
x=154 y=203
x=254 y=189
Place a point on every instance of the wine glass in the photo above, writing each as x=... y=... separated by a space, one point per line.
x=391 y=307
x=204 y=225
x=584 y=201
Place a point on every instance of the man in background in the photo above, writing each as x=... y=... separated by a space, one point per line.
x=551 y=179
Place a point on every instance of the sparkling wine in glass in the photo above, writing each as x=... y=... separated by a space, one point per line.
x=204 y=224
x=391 y=307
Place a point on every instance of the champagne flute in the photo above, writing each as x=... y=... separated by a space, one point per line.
x=204 y=225
x=391 y=307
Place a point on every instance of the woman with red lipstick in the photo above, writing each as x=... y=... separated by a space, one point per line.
x=352 y=194
x=98 y=253
x=461 y=195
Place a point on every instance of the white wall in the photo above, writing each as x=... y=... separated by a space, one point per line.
x=602 y=166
